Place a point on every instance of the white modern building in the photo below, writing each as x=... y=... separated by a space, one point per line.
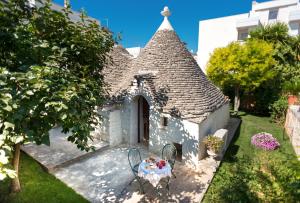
x=219 y=32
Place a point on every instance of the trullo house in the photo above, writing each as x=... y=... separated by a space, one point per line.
x=160 y=97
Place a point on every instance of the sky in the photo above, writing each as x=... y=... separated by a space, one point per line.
x=137 y=20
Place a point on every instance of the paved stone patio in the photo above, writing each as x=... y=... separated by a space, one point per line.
x=61 y=152
x=188 y=186
x=106 y=176
x=102 y=177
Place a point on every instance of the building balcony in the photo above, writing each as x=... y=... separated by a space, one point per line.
x=294 y=15
x=247 y=22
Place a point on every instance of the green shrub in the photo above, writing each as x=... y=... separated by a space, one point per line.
x=292 y=87
x=278 y=110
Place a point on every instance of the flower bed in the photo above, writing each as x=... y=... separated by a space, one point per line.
x=264 y=141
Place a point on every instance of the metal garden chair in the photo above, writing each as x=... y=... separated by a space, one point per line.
x=134 y=159
x=169 y=153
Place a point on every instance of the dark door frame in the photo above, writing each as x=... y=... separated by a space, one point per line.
x=141 y=114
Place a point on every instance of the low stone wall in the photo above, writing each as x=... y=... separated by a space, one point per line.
x=223 y=134
x=292 y=127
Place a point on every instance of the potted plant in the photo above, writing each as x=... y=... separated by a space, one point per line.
x=213 y=145
x=292 y=89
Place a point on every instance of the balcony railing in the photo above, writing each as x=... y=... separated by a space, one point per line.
x=294 y=15
x=247 y=22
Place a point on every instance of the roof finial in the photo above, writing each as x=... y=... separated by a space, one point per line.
x=166 y=12
x=165 y=24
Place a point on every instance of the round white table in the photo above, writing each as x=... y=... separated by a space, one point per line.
x=152 y=173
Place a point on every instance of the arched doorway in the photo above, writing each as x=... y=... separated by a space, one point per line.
x=143 y=121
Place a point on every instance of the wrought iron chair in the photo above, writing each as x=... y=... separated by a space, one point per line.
x=169 y=152
x=134 y=159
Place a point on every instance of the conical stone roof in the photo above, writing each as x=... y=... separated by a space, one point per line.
x=166 y=64
x=116 y=68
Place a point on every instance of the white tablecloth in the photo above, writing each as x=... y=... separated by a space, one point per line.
x=153 y=175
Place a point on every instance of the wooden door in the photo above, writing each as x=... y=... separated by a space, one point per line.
x=146 y=121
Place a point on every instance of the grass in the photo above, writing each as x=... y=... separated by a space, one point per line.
x=248 y=174
x=38 y=186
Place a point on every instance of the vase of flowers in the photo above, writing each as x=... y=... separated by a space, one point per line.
x=213 y=144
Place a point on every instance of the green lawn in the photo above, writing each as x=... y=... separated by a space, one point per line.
x=248 y=174
x=38 y=186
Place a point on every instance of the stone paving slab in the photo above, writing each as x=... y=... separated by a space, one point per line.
x=61 y=152
x=100 y=178
x=186 y=187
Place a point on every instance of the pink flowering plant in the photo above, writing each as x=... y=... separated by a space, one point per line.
x=265 y=141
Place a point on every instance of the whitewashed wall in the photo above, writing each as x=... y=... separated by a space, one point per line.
x=215 y=121
x=102 y=130
x=115 y=130
x=123 y=128
x=177 y=131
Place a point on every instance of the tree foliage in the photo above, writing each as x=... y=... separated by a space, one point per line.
x=287 y=56
x=50 y=75
x=286 y=48
x=242 y=65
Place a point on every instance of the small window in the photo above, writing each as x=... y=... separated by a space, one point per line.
x=273 y=14
x=164 y=121
x=243 y=35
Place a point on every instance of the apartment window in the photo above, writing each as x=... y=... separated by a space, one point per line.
x=273 y=14
x=294 y=28
x=242 y=35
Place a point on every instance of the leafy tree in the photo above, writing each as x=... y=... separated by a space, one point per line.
x=286 y=48
x=243 y=66
x=50 y=75
x=287 y=56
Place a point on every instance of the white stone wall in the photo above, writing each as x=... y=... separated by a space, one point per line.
x=110 y=127
x=115 y=130
x=214 y=122
x=102 y=130
x=292 y=127
x=219 y=32
x=123 y=128
x=177 y=131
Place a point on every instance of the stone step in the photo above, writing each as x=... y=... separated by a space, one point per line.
x=51 y=160
x=80 y=158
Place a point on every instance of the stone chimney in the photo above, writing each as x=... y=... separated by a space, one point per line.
x=66 y=3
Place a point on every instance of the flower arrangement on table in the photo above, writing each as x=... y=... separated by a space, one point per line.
x=265 y=141
x=153 y=163
x=161 y=164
